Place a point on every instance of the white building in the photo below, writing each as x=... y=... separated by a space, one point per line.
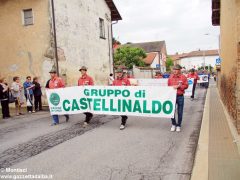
x=196 y=59
x=153 y=60
x=156 y=54
x=84 y=36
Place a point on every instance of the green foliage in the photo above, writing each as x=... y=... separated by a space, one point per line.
x=129 y=56
x=169 y=63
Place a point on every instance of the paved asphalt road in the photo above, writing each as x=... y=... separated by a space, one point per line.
x=146 y=149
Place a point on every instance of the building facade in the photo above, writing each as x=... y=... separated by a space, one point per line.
x=83 y=34
x=157 y=48
x=152 y=60
x=226 y=14
x=196 y=59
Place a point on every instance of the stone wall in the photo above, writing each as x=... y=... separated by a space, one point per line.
x=229 y=76
x=79 y=42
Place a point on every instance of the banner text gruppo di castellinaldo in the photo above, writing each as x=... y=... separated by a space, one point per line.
x=150 y=101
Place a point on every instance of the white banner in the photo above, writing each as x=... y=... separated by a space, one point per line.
x=203 y=79
x=164 y=82
x=152 y=82
x=188 y=91
x=115 y=100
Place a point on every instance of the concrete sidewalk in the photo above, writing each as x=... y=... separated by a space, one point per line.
x=217 y=155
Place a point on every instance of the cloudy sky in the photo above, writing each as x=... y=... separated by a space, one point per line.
x=181 y=23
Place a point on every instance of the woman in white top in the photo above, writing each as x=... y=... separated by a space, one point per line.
x=17 y=92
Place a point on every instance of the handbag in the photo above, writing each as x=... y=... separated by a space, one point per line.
x=29 y=102
x=11 y=98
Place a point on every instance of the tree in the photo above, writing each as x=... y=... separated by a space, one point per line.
x=169 y=63
x=129 y=56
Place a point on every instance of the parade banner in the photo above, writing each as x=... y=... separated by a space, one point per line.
x=188 y=91
x=203 y=79
x=164 y=82
x=152 y=82
x=113 y=100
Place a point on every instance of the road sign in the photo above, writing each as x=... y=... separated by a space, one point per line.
x=157 y=66
x=218 y=60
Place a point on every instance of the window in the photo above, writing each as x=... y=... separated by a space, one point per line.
x=27 y=17
x=102 y=28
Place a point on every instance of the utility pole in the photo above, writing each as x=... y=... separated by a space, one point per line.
x=204 y=54
x=55 y=36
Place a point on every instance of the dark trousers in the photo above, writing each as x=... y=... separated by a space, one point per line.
x=88 y=116
x=124 y=120
x=193 y=90
x=5 y=109
x=29 y=108
x=180 y=105
x=38 y=102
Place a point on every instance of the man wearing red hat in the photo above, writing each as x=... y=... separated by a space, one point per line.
x=54 y=83
x=86 y=80
x=193 y=75
x=178 y=81
x=121 y=81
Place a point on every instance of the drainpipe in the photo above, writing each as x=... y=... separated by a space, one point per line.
x=55 y=36
x=112 y=46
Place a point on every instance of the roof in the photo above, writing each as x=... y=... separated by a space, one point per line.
x=216 y=12
x=195 y=54
x=202 y=53
x=150 y=58
x=177 y=56
x=115 y=15
x=156 y=46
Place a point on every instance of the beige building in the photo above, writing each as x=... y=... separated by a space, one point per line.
x=226 y=13
x=83 y=33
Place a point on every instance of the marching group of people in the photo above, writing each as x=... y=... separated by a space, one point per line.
x=31 y=90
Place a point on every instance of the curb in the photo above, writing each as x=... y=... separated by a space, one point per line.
x=200 y=167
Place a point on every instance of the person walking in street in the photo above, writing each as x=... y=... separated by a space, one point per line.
x=158 y=75
x=37 y=92
x=28 y=92
x=17 y=92
x=193 y=75
x=4 y=97
x=179 y=82
x=121 y=81
x=85 y=80
x=55 y=83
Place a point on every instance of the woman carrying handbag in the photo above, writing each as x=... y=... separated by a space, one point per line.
x=28 y=92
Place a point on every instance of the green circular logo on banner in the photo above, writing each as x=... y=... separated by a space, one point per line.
x=55 y=99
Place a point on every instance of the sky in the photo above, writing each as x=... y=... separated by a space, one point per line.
x=183 y=24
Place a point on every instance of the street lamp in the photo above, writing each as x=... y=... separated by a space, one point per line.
x=215 y=36
x=204 y=52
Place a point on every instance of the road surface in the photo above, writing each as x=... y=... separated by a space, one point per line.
x=146 y=149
